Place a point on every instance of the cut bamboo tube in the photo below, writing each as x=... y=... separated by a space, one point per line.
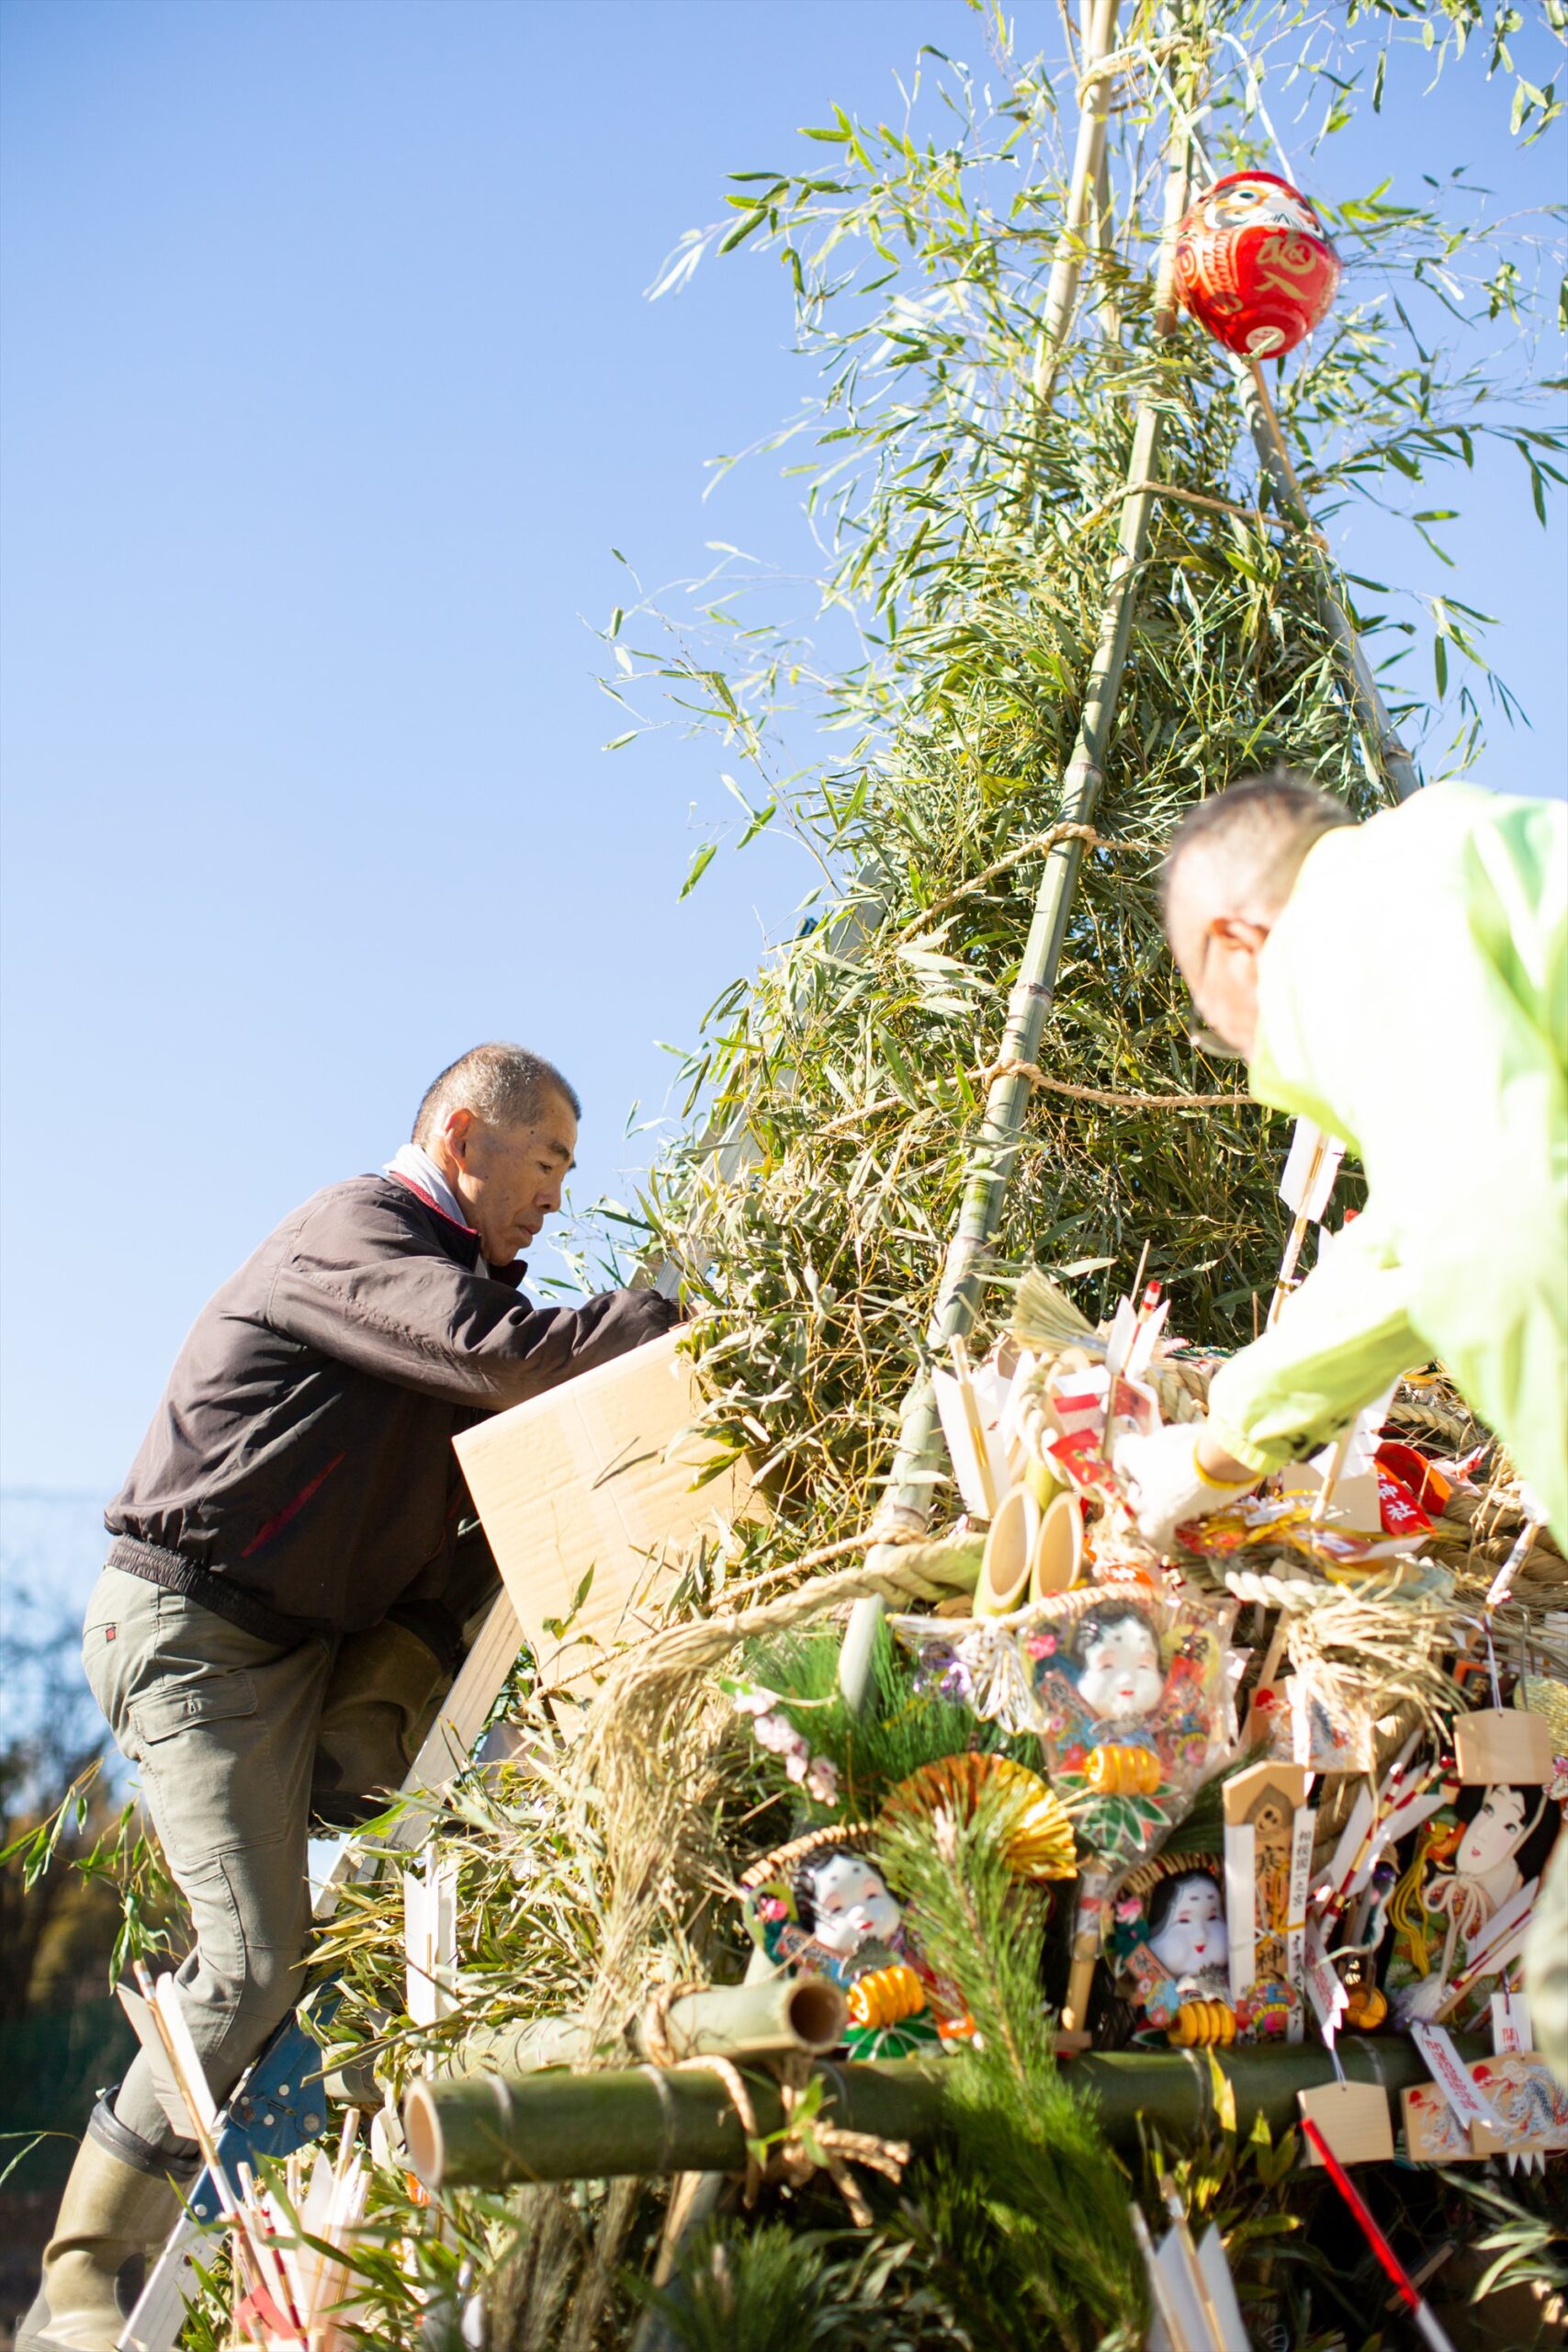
x=908 y=1504
x=780 y=2015
x=488 y=2130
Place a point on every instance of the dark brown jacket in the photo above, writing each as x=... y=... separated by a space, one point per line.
x=299 y=1476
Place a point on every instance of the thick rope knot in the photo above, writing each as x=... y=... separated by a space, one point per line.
x=805 y=2144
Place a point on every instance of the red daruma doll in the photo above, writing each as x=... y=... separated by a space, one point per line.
x=1254 y=266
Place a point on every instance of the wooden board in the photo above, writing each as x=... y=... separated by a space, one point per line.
x=1354 y=2121
x=588 y=1497
x=1503 y=1744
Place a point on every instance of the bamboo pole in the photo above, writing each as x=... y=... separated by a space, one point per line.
x=1083 y=188
x=1386 y=753
x=908 y=1502
x=489 y=2130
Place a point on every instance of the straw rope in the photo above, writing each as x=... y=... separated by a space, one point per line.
x=1037 y=846
x=807 y=2144
x=1109 y=1097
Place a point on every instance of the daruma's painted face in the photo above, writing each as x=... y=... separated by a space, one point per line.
x=1258 y=204
x=851 y=1904
x=1496 y=1833
x=1121 y=1677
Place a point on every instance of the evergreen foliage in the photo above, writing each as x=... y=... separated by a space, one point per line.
x=874 y=1746
x=1028 y=2188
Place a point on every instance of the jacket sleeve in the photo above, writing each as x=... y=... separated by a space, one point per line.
x=1340 y=1341
x=364 y=1290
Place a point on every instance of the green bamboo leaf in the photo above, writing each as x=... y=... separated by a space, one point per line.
x=699 y=866
x=741 y=230
x=619 y=742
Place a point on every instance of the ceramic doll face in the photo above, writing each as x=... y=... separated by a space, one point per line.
x=1192 y=1935
x=1121 y=1677
x=851 y=1904
x=1496 y=1833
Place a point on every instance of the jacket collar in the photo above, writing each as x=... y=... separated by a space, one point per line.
x=459 y=1239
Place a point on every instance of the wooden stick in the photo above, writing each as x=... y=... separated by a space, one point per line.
x=1298 y=1233
x=194 y=2088
x=959 y=1349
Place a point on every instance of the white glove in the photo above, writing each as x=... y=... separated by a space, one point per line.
x=1164 y=1485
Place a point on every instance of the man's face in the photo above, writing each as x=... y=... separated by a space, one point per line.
x=510 y=1179
x=1217 y=955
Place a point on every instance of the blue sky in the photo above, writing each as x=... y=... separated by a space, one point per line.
x=329 y=387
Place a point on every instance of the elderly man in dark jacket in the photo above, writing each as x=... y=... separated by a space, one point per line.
x=285 y=1593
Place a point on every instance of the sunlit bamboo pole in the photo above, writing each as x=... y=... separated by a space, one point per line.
x=1387 y=753
x=908 y=1502
x=1073 y=239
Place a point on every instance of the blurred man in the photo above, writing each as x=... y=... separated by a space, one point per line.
x=1404 y=984
x=285 y=1597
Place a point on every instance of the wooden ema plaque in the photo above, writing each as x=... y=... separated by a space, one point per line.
x=1270 y=1793
x=1530 y=2102
x=1354 y=2119
x=1503 y=1744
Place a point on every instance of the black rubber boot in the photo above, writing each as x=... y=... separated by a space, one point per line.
x=120 y=2203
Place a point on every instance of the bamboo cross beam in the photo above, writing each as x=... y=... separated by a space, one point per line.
x=490 y=2130
x=908 y=1503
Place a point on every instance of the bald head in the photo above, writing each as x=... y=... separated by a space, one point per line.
x=1230 y=870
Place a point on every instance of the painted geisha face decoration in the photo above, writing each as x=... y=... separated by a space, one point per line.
x=850 y=1903
x=1191 y=1936
x=1486 y=1851
x=1121 y=1679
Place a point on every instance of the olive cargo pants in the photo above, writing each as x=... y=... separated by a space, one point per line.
x=231 y=1734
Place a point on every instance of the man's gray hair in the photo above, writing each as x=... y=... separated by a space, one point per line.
x=1257 y=832
x=504 y=1085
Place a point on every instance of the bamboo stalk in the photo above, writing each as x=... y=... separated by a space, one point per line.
x=489 y=2130
x=908 y=1503
x=1386 y=753
x=1073 y=240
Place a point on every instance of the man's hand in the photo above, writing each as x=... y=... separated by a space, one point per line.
x=1175 y=1476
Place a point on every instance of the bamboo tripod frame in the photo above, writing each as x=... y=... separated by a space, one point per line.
x=1007 y=1103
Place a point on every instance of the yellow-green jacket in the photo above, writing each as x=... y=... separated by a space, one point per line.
x=1413 y=999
